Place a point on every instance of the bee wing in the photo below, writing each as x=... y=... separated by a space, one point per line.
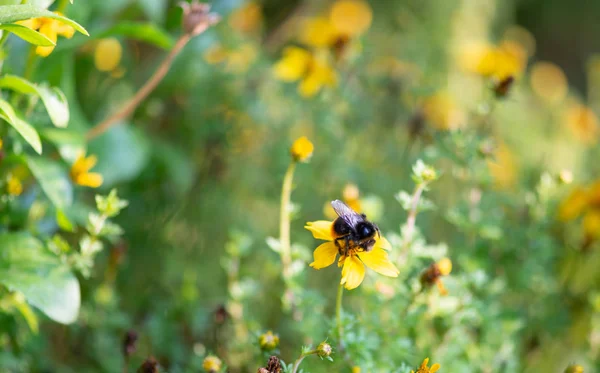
x=351 y=217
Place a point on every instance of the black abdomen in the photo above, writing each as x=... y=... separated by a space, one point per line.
x=341 y=228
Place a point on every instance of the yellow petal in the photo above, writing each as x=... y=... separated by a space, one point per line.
x=321 y=229
x=293 y=65
x=44 y=51
x=351 y=17
x=434 y=368
x=382 y=242
x=324 y=255
x=92 y=179
x=574 y=205
x=33 y=23
x=591 y=223
x=65 y=30
x=377 y=259
x=318 y=32
x=353 y=272
x=310 y=86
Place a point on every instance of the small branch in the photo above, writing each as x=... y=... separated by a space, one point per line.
x=143 y=92
x=284 y=220
x=299 y=360
x=412 y=214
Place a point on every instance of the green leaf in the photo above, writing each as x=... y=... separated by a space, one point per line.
x=53 y=180
x=147 y=32
x=26 y=266
x=23 y=128
x=27 y=34
x=69 y=143
x=54 y=100
x=14 y=13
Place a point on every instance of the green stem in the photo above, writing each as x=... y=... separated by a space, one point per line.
x=338 y=315
x=62 y=6
x=299 y=360
x=412 y=215
x=31 y=59
x=284 y=220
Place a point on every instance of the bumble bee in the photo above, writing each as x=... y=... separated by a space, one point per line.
x=353 y=229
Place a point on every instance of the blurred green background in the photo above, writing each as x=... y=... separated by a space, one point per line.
x=201 y=162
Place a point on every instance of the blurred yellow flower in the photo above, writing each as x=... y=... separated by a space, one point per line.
x=107 y=54
x=434 y=273
x=354 y=261
x=347 y=19
x=351 y=17
x=236 y=61
x=302 y=149
x=548 y=81
x=268 y=341
x=442 y=112
x=583 y=122
x=350 y=196
x=14 y=186
x=355 y=369
x=521 y=36
x=80 y=172
x=573 y=205
x=424 y=368
x=497 y=62
x=575 y=368
x=314 y=72
x=503 y=167
x=246 y=19
x=212 y=364
x=50 y=28
x=215 y=54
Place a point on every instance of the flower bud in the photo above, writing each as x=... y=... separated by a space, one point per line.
x=324 y=349
x=268 y=341
x=212 y=364
x=574 y=369
x=302 y=149
x=196 y=17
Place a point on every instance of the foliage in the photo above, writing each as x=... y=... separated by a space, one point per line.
x=227 y=129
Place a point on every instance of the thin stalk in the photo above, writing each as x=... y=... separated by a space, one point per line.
x=129 y=107
x=338 y=315
x=299 y=360
x=284 y=220
x=412 y=214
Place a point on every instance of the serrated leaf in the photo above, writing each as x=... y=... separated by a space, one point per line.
x=147 y=32
x=46 y=283
x=14 y=13
x=53 y=98
x=25 y=129
x=27 y=34
x=53 y=180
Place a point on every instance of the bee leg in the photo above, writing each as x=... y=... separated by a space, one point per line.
x=337 y=244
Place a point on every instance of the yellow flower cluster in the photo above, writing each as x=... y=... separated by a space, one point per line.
x=236 y=61
x=50 y=28
x=498 y=62
x=212 y=364
x=302 y=149
x=80 y=172
x=425 y=368
x=583 y=123
x=583 y=201
x=353 y=262
x=323 y=36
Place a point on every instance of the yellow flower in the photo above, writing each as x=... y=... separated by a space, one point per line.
x=212 y=364
x=268 y=341
x=573 y=205
x=302 y=149
x=442 y=112
x=107 y=54
x=575 y=368
x=497 y=62
x=355 y=369
x=591 y=223
x=503 y=168
x=351 y=17
x=314 y=72
x=247 y=18
x=50 y=28
x=80 y=172
x=583 y=122
x=14 y=186
x=318 y=32
x=354 y=261
x=548 y=81
x=434 y=273
x=424 y=368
